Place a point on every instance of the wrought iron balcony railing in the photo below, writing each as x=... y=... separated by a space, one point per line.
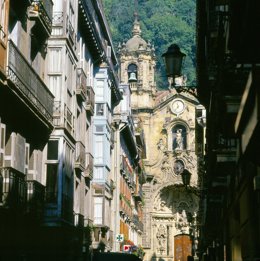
x=69 y=120
x=138 y=195
x=138 y=223
x=12 y=188
x=89 y=166
x=28 y=82
x=35 y=198
x=70 y=31
x=90 y=103
x=57 y=24
x=41 y=11
x=80 y=160
x=63 y=117
x=81 y=89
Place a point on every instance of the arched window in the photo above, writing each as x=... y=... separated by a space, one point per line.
x=132 y=72
x=179 y=135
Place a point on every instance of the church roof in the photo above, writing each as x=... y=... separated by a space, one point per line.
x=136 y=42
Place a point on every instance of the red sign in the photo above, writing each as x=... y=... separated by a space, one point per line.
x=127 y=248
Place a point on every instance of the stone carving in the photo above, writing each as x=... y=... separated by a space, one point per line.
x=161 y=236
x=182 y=223
x=173 y=200
x=178 y=167
x=179 y=140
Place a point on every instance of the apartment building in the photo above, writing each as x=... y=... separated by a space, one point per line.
x=26 y=116
x=228 y=85
x=52 y=56
x=130 y=177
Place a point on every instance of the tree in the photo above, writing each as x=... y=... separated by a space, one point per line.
x=163 y=22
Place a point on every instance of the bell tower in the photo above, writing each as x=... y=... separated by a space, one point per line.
x=137 y=68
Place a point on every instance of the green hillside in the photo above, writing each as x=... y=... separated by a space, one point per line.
x=163 y=22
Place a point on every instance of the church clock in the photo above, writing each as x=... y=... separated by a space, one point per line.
x=177 y=106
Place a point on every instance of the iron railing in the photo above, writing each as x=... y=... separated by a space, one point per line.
x=80 y=161
x=43 y=10
x=57 y=24
x=89 y=165
x=90 y=103
x=12 y=188
x=70 y=31
x=28 y=82
x=81 y=89
x=138 y=193
x=35 y=198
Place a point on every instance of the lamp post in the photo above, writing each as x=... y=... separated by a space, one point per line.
x=173 y=61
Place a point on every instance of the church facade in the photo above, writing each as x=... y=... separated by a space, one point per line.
x=174 y=135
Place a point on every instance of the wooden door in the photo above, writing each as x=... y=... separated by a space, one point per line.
x=182 y=247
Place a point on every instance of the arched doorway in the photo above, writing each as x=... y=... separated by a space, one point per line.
x=182 y=247
x=173 y=216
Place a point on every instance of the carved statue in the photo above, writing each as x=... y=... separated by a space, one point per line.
x=161 y=236
x=179 y=139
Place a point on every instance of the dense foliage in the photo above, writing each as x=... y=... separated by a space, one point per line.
x=163 y=22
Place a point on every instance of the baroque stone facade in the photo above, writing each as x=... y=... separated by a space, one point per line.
x=169 y=122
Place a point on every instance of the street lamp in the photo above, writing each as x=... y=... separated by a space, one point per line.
x=173 y=61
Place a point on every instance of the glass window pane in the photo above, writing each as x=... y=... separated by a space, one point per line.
x=52 y=151
x=52 y=183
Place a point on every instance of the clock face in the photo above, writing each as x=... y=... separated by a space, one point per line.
x=177 y=106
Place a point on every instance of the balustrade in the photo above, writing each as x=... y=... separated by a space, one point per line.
x=28 y=82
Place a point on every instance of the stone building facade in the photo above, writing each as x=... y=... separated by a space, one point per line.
x=169 y=122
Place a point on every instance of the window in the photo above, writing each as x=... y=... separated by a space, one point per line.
x=132 y=72
x=99 y=91
x=52 y=150
x=3 y=20
x=98 y=174
x=52 y=171
x=98 y=210
x=100 y=109
x=179 y=134
x=99 y=149
x=52 y=183
x=70 y=73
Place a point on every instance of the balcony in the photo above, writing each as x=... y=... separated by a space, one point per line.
x=3 y=51
x=69 y=120
x=90 y=103
x=35 y=199
x=80 y=160
x=138 y=224
x=57 y=24
x=63 y=117
x=12 y=188
x=70 y=32
x=139 y=194
x=101 y=232
x=28 y=84
x=79 y=220
x=89 y=166
x=226 y=149
x=81 y=87
x=41 y=12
